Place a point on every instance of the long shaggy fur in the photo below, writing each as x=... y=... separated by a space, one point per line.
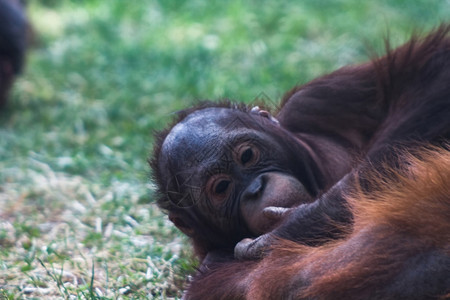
x=398 y=245
x=402 y=229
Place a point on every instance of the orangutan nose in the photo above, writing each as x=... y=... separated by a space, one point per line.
x=255 y=188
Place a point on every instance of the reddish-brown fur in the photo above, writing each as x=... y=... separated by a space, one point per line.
x=384 y=199
x=406 y=218
x=398 y=245
x=347 y=122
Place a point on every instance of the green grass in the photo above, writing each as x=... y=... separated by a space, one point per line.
x=77 y=218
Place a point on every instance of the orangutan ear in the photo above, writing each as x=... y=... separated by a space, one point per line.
x=181 y=223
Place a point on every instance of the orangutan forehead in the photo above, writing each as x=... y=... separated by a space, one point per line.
x=203 y=130
x=192 y=135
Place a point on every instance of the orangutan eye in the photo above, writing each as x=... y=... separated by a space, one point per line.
x=246 y=156
x=221 y=186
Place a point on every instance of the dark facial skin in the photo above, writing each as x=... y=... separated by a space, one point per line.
x=232 y=169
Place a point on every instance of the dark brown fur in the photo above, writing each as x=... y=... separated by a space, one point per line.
x=357 y=116
x=399 y=247
x=391 y=206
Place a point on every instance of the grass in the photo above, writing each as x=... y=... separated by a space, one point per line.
x=77 y=218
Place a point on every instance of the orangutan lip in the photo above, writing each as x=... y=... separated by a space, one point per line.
x=274 y=212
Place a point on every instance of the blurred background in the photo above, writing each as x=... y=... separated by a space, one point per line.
x=77 y=218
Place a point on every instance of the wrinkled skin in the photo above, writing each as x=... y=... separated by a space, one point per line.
x=236 y=171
